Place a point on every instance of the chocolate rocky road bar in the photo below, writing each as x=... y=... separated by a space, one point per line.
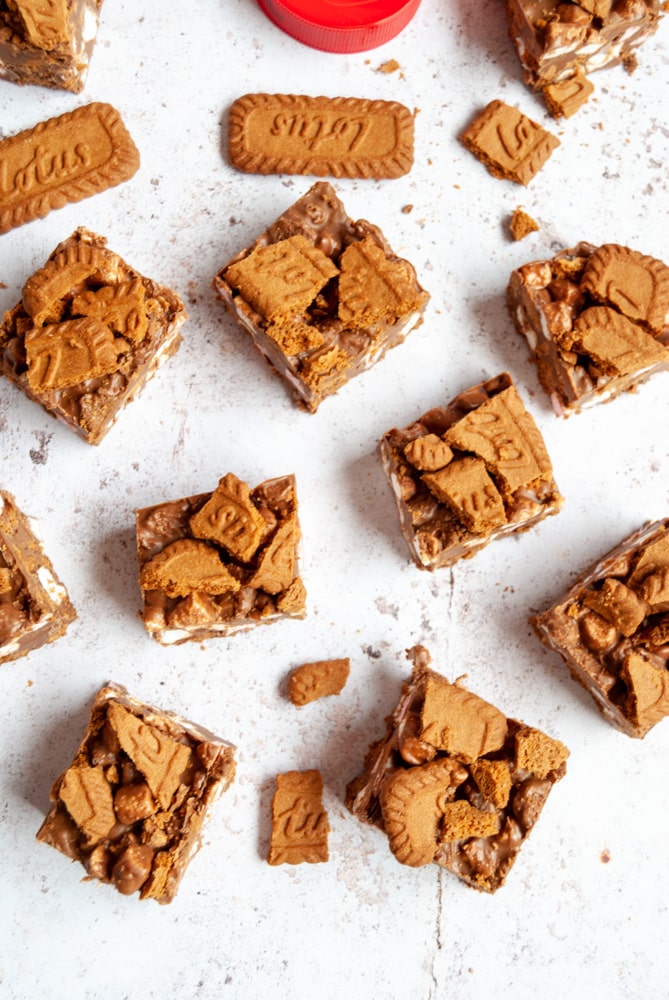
x=454 y=781
x=131 y=805
x=34 y=605
x=62 y=160
x=324 y=297
x=48 y=44
x=87 y=334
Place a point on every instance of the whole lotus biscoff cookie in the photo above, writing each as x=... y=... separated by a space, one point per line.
x=63 y=160
x=323 y=136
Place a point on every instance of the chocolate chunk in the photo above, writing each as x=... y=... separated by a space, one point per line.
x=557 y=41
x=88 y=334
x=48 y=44
x=35 y=608
x=214 y=564
x=496 y=478
x=595 y=321
x=323 y=297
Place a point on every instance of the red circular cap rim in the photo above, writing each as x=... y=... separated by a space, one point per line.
x=341 y=25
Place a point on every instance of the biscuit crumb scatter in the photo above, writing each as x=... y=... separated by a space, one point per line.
x=390 y=66
x=521 y=224
x=407 y=209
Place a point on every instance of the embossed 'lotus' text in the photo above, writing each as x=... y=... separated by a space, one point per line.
x=63 y=160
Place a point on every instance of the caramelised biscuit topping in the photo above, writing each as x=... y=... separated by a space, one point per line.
x=131 y=805
x=612 y=629
x=596 y=320
x=88 y=334
x=455 y=781
x=220 y=562
x=468 y=472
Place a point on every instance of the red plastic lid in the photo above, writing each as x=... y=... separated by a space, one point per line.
x=341 y=25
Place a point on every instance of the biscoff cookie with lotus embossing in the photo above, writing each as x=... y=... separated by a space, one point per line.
x=454 y=781
x=221 y=562
x=508 y=143
x=323 y=136
x=88 y=334
x=300 y=824
x=63 y=160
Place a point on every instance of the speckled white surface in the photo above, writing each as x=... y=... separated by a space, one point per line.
x=584 y=911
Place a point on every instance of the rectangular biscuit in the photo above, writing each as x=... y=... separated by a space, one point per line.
x=335 y=137
x=63 y=160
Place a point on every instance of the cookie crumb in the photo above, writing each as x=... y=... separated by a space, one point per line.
x=521 y=224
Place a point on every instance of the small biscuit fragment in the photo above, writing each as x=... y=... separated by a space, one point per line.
x=565 y=97
x=508 y=143
x=299 y=823
x=324 y=136
x=63 y=160
x=319 y=679
x=521 y=224
x=461 y=819
x=539 y=753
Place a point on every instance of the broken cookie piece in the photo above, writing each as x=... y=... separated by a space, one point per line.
x=509 y=144
x=454 y=781
x=299 y=823
x=564 y=97
x=34 y=605
x=596 y=321
x=469 y=472
x=318 y=679
x=131 y=805
x=222 y=562
x=612 y=630
x=88 y=334
x=323 y=296
x=521 y=224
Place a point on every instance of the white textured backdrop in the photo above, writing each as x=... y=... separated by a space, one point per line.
x=569 y=921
